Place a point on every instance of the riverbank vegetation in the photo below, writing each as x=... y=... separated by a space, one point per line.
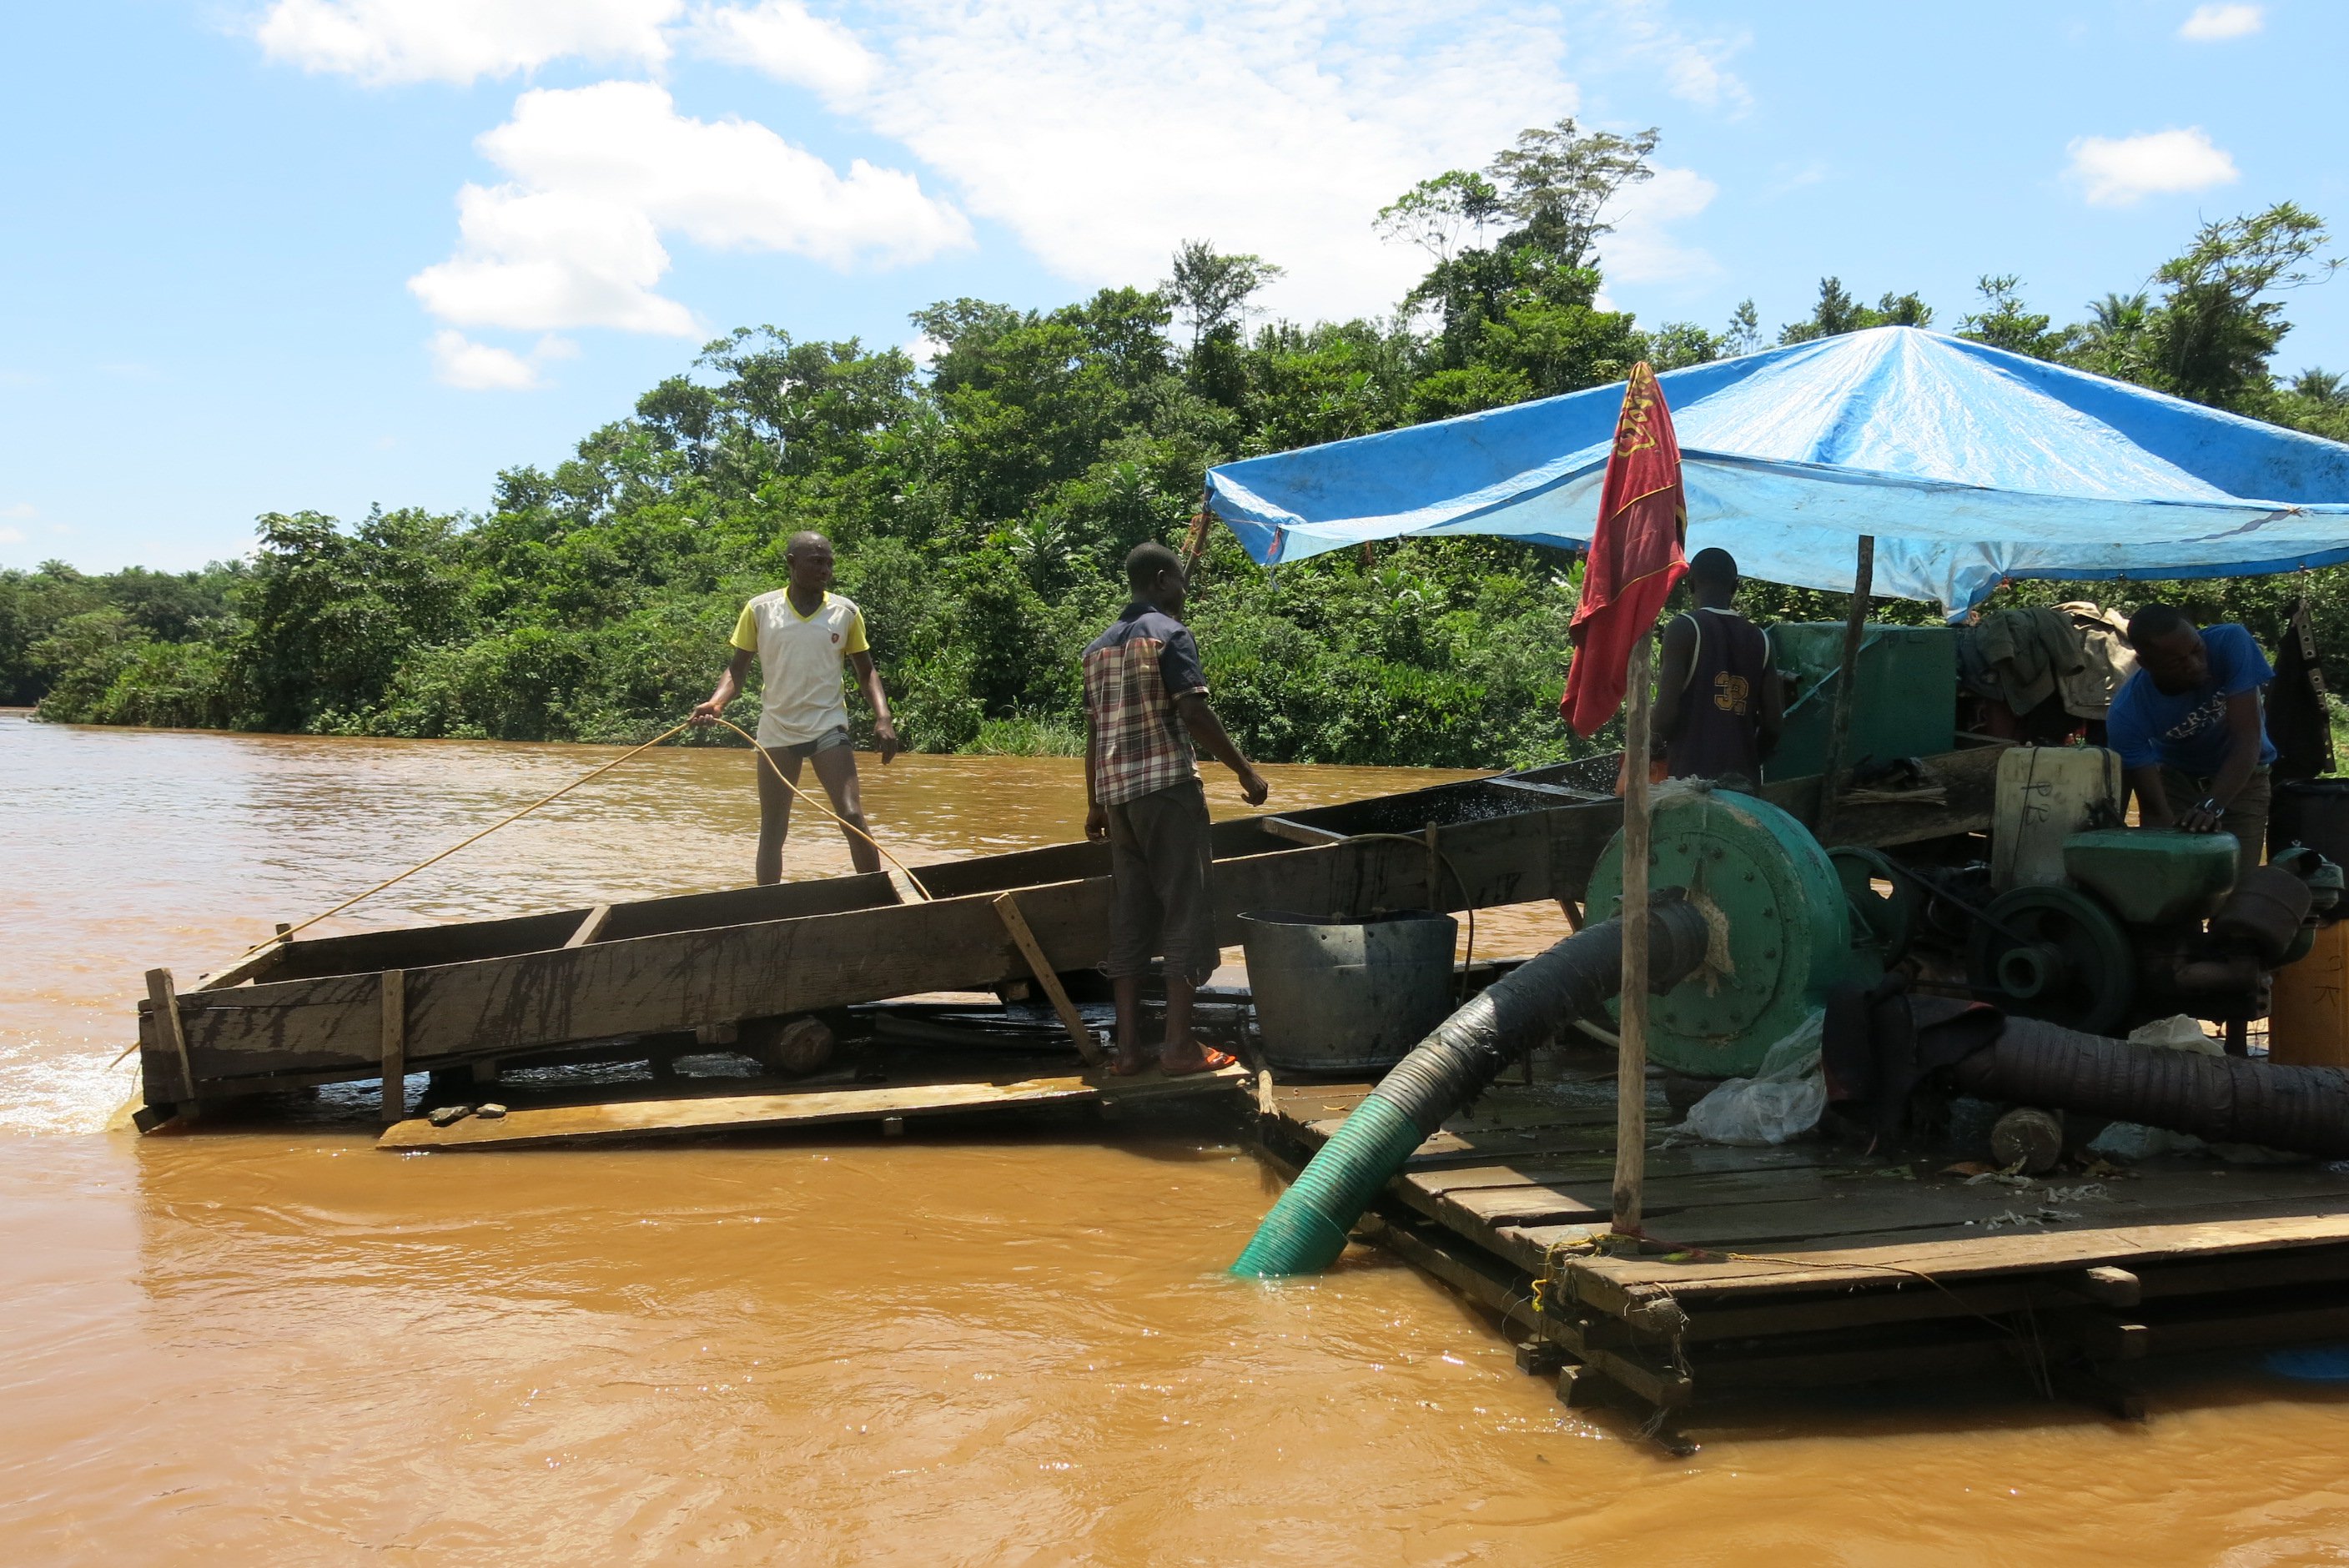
x=980 y=503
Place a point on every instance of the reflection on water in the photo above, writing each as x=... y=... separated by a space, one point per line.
x=962 y=1346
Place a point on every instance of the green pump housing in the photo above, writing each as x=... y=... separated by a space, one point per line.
x=1781 y=933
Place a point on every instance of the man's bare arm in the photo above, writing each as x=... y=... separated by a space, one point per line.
x=729 y=686
x=2243 y=734
x=1208 y=731
x=885 y=729
x=1773 y=710
x=1671 y=681
x=2153 y=807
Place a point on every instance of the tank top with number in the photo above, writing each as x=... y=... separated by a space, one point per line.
x=1720 y=732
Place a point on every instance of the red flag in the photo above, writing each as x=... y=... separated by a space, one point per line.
x=1635 y=553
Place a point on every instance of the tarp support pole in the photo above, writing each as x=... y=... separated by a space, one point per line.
x=1632 y=1035
x=1855 y=630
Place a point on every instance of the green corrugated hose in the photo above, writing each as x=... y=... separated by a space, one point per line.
x=1306 y=1229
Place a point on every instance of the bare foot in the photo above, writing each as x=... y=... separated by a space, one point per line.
x=1190 y=1056
x=1131 y=1061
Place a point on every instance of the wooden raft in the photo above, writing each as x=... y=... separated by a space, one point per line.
x=1810 y=1267
x=628 y=1120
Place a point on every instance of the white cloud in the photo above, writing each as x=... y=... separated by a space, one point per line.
x=459 y=361
x=2115 y=172
x=781 y=39
x=2216 y=24
x=1103 y=132
x=20 y=510
x=599 y=173
x=385 y=41
x=1642 y=249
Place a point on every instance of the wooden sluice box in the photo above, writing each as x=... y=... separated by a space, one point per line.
x=475 y=996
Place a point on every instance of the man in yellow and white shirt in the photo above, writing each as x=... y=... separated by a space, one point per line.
x=799 y=635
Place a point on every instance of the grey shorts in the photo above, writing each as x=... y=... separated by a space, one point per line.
x=1161 y=863
x=831 y=739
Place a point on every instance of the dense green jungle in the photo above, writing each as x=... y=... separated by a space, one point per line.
x=980 y=502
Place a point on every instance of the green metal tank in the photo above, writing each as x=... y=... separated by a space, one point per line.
x=1905 y=703
x=1781 y=928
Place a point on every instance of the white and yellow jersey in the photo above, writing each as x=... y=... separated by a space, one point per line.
x=798 y=662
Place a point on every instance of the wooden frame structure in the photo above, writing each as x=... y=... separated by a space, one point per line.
x=315 y=1011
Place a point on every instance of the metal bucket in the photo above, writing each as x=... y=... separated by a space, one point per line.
x=1347 y=995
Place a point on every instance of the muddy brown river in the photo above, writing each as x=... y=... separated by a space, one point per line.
x=997 y=1346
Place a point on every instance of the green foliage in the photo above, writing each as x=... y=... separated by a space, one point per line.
x=982 y=509
x=1838 y=312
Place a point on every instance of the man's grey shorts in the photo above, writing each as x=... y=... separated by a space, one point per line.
x=1160 y=861
x=831 y=739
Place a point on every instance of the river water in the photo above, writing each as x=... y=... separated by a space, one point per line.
x=281 y=1347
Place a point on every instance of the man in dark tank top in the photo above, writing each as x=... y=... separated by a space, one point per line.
x=1718 y=700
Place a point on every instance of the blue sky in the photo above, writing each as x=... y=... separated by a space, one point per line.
x=273 y=255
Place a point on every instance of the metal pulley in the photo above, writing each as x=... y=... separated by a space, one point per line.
x=1882 y=899
x=2055 y=953
x=1780 y=932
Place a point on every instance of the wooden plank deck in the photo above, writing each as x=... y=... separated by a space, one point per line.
x=628 y=1120
x=1811 y=1266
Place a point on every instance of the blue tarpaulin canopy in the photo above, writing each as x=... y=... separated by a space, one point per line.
x=1967 y=463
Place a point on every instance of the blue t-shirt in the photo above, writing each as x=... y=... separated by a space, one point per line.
x=2150 y=727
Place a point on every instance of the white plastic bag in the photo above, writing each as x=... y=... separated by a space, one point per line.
x=1782 y=1103
x=2176 y=1033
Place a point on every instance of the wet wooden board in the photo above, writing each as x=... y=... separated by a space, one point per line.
x=740 y=1113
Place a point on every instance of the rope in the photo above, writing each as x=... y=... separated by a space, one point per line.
x=799 y=794
x=287 y=933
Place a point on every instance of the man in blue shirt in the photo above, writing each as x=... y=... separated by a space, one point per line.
x=2192 y=740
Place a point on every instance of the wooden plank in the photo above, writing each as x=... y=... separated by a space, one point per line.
x=1855 y=631
x=2131 y=1247
x=672 y=1117
x=163 y=1004
x=590 y=928
x=252 y=966
x=1300 y=833
x=393 y=1034
x=1631 y=999
x=1007 y=905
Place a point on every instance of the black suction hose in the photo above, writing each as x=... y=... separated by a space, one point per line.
x=2222 y=1100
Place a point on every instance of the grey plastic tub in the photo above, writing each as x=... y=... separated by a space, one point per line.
x=1347 y=997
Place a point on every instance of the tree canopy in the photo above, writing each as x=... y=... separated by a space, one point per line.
x=980 y=504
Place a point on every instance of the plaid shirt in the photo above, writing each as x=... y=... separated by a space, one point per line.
x=1134 y=673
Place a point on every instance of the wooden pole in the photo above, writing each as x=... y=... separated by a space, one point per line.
x=395 y=1046
x=163 y=1000
x=1855 y=631
x=1007 y=909
x=1632 y=1050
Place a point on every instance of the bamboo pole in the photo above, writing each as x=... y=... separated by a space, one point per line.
x=1855 y=631
x=1631 y=1048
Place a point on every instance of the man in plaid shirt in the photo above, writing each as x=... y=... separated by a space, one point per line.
x=1143 y=690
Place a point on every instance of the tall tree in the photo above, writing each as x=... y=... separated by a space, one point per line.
x=2212 y=334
